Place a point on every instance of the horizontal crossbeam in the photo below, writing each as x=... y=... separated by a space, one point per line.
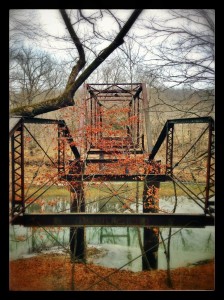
x=191 y=120
x=105 y=177
x=116 y=220
x=116 y=151
x=42 y=121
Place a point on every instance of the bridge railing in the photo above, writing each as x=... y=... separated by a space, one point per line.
x=167 y=134
x=17 y=159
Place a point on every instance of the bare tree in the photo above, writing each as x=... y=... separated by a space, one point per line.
x=23 y=24
x=112 y=72
x=34 y=75
x=180 y=65
x=75 y=78
x=183 y=48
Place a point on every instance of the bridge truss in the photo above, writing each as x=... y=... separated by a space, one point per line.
x=114 y=154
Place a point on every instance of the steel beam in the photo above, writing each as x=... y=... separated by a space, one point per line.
x=42 y=121
x=14 y=124
x=170 y=123
x=115 y=220
x=147 y=128
x=210 y=172
x=116 y=151
x=192 y=120
x=150 y=234
x=169 y=150
x=109 y=177
x=61 y=151
x=112 y=84
x=159 y=142
x=17 y=172
x=77 y=234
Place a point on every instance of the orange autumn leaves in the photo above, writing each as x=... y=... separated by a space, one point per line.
x=123 y=164
x=151 y=202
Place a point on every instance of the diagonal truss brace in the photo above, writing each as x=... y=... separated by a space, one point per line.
x=17 y=158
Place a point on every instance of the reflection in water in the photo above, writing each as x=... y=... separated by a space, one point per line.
x=118 y=245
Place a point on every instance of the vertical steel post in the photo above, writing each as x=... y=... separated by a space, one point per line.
x=100 y=133
x=22 y=166
x=101 y=122
x=95 y=121
x=169 y=149
x=61 y=149
x=128 y=237
x=129 y=128
x=77 y=234
x=210 y=171
x=148 y=130
x=138 y=125
x=86 y=123
x=91 y=122
x=150 y=234
x=17 y=149
x=150 y=202
x=134 y=125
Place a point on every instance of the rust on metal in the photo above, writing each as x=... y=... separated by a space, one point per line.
x=98 y=96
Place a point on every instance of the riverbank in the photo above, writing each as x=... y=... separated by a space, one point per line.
x=55 y=272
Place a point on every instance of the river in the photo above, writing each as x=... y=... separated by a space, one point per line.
x=118 y=247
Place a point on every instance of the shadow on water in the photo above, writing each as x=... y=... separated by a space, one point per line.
x=114 y=246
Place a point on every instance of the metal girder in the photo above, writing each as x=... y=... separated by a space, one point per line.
x=159 y=142
x=108 y=177
x=84 y=219
x=42 y=121
x=14 y=124
x=112 y=98
x=17 y=172
x=147 y=127
x=116 y=220
x=169 y=150
x=113 y=84
x=107 y=91
x=116 y=151
x=103 y=160
x=170 y=123
x=210 y=172
x=192 y=120
x=61 y=150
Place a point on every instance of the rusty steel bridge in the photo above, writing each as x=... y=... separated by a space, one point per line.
x=128 y=135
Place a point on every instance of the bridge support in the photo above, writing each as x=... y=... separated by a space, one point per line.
x=17 y=172
x=150 y=234
x=77 y=234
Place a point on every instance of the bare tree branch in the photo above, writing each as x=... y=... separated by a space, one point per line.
x=66 y=99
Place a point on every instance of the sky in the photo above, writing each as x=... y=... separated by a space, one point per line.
x=51 y=22
x=49 y=17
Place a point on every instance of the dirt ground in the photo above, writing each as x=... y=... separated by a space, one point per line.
x=55 y=272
